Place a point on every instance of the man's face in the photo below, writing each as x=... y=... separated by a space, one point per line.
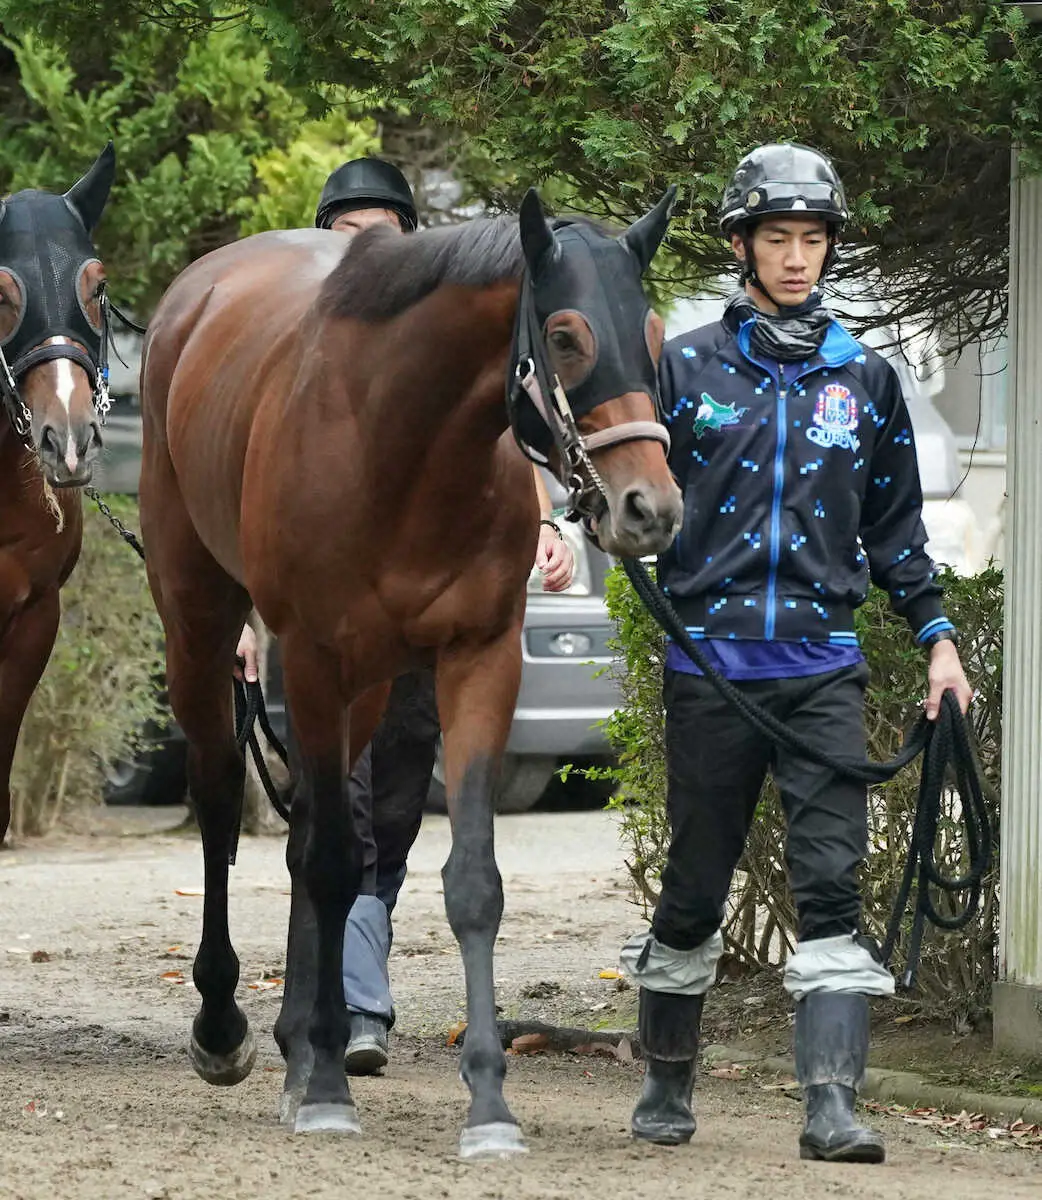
x=789 y=254
x=365 y=218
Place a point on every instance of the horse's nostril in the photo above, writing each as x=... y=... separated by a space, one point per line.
x=92 y=439
x=50 y=444
x=637 y=510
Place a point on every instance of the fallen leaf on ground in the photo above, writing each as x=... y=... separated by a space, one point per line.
x=189 y=892
x=1020 y=1135
x=40 y=956
x=172 y=977
x=530 y=1043
x=735 y=1071
x=595 y=1048
x=266 y=982
x=609 y=974
x=906 y=1019
x=454 y=1033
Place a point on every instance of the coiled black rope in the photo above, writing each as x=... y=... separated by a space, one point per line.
x=945 y=744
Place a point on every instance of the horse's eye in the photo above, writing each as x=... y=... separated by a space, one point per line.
x=563 y=341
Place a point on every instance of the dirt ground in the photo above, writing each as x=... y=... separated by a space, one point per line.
x=97 y=1099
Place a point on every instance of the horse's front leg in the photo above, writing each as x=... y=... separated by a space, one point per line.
x=477 y=690
x=324 y=858
x=26 y=640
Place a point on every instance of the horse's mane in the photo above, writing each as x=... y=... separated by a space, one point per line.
x=383 y=273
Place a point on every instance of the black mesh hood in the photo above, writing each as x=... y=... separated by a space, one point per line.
x=45 y=247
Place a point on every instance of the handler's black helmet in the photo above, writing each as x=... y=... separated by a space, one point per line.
x=366 y=183
x=783 y=178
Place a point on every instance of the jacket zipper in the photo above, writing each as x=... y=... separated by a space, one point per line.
x=776 y=502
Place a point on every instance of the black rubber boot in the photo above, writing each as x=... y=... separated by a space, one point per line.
x=366 y=1052
x=669 y=1041
x=831 y=1054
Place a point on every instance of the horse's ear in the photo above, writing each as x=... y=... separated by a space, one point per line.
x=644 y=235
x=89 y=195
x=537 y=239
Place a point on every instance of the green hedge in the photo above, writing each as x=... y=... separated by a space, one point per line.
x=957 y=969
x=100 y=685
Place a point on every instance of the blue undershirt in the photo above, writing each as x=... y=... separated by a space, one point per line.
x=745 y=659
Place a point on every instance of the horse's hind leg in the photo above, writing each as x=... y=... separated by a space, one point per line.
x=477 y=690
x=25 y=645
x=203 y=610
x=298 y=999
x=324 y=859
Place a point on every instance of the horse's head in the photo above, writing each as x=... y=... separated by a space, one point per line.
x=51 y=321
x=585 y=395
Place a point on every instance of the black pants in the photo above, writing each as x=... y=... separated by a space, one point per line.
x=717 y=763
x=389 y=783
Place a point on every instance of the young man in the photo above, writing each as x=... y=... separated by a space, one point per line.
x=391 y=778
x=794 y=450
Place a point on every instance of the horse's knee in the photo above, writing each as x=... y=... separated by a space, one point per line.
x=473 y=889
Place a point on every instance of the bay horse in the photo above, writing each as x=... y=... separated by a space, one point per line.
x=52 y=318
x=325 y=437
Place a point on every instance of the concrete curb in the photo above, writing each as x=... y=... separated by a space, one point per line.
x=902 y=1087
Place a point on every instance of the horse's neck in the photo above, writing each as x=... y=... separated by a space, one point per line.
x=448 y=390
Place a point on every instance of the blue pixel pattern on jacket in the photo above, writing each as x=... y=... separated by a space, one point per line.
x=800 y=482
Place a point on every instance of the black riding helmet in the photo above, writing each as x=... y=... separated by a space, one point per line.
x=782 y=178
x=366 y=183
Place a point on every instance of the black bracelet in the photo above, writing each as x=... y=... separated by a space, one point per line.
x=945 y=635
x=553 y=525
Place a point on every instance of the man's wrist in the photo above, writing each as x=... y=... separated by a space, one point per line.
x=551 y=524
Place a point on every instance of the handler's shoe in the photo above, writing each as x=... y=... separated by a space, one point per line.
x=831 y=1054
x=669 y=1041
x=366 y=1052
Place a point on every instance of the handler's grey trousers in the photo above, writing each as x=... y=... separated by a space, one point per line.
x=388 y=791
x=716 y=764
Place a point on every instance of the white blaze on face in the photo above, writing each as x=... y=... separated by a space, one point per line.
x=64 y=389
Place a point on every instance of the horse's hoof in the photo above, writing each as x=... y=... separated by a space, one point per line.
x=289 y=1103
x=327 y=1118
x=224 y=1070
x=497 y=1139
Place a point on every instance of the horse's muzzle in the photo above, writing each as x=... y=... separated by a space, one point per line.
x=641 y=520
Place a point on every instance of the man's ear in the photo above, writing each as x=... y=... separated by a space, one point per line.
x=738 y=246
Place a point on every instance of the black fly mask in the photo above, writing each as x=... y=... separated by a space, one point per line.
x=45 y=246
x=575 y=267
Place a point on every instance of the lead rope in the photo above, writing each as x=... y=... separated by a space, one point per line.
x=945 y=744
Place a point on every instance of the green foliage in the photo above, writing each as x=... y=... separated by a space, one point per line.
x=957 y=968
x=99 y=687
x=291 y=177
x=208 y=146
x=919 y=101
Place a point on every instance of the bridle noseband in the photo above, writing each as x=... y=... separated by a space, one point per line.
x=531 y=375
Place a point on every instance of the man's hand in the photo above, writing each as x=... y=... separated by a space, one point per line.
x=554 y=558
x=247 y=649
x=946 y=672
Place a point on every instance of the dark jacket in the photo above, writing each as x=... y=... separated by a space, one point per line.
x=798 y=481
